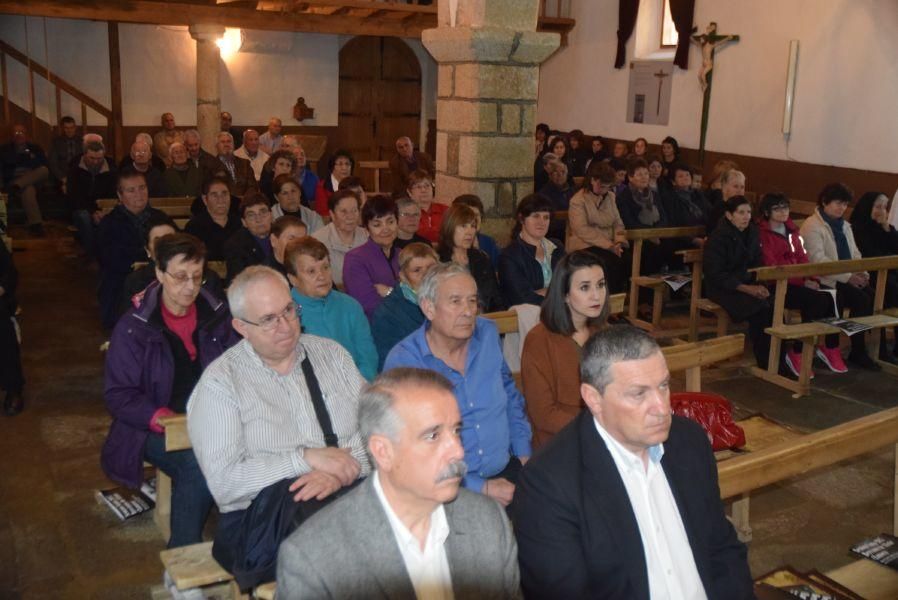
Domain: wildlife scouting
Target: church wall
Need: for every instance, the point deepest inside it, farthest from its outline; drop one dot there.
(845, 90)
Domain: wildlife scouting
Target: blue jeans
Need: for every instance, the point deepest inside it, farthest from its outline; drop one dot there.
(190, 498)
(84, 223)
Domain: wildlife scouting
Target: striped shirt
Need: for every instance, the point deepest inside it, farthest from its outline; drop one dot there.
(249, 425)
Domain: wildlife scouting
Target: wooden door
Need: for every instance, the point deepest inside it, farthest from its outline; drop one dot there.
(380, 100)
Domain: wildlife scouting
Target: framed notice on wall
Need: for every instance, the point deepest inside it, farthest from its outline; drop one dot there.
(648, 98)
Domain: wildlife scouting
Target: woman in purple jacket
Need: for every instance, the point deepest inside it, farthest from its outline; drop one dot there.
(371, 271)
(156, 355)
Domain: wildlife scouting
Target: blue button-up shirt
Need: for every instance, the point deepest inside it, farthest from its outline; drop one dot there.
(494, 426)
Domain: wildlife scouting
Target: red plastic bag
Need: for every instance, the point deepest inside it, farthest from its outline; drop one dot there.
(714, 413)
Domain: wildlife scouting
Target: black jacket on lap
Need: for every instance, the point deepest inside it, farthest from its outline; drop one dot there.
(520, 274)
(488, 293)
(213, 235)
(242, 251)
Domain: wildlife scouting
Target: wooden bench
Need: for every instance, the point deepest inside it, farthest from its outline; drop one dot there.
(176, 207)
(808, 333)
(693, 257)
(377, 166)
(638, 237)
(742, 474)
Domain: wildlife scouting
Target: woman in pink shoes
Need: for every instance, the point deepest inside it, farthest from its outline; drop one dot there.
(781, 245)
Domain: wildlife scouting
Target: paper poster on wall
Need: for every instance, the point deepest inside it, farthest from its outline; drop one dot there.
(648, 99)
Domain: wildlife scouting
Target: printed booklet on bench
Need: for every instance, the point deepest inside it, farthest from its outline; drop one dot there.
(847, 326)
(126, 503)
(882, 549)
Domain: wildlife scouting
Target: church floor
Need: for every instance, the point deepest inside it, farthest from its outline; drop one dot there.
(57, 542)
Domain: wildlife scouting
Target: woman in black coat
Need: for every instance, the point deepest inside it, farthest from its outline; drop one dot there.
(456, 244)
(875, 237)
(527, 263)
(732, 249)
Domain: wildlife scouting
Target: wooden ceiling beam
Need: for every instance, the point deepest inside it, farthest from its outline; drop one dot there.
(180, 13)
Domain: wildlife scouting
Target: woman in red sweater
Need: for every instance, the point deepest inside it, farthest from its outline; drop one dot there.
(340, 166)
(781, 245)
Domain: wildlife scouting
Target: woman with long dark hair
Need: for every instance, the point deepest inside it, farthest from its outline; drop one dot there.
(576, 306)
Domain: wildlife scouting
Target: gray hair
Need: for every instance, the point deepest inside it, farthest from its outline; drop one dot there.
(291, 140)
(90, 137)
(405, 202)
(376, 413)
(731, 174)
(549, 157)
(192, 133)
(613, 344)
(94, 146)
(221, 133)
(173, 144)
(144, 137)
(555, 165)
(439, 273)
(246, 279)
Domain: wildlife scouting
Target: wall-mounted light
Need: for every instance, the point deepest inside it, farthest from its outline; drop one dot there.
(230, 43)
(790, 87)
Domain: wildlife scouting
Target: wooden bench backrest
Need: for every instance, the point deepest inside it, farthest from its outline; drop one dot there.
(835, 267)
(822, 448)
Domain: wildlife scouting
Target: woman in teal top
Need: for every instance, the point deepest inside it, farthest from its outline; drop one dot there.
(327, 312)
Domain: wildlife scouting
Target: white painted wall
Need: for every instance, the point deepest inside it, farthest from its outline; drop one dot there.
(846, 90)
(159, 72)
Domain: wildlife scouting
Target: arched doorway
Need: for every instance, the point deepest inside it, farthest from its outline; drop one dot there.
(380, 100)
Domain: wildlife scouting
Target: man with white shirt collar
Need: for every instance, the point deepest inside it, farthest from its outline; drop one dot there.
(624, 502)
(414, 533)
(251, 151)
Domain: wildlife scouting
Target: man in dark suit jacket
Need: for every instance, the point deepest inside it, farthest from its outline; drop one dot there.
(239, 171)
(411, 422)
(624, 502)
(406, 161)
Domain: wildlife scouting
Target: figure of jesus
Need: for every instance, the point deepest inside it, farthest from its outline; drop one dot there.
(709, 41)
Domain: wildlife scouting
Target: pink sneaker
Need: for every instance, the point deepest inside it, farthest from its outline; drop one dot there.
(832, 358)
(793, 361)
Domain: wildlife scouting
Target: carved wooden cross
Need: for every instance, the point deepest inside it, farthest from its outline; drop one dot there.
(708, 42)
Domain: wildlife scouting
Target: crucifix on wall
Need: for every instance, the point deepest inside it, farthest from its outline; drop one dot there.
(648, 99)
(709, 42)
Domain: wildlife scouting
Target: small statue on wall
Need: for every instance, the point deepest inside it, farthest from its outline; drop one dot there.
(301, 111)
(709, 42)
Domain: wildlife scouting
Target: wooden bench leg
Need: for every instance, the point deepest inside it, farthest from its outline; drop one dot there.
(236, 594)
(657, 305)
(807, 361)
(162, 514)
(895, 499)
(739, 517)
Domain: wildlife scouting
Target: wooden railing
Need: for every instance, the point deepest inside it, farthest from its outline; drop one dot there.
(59, 85)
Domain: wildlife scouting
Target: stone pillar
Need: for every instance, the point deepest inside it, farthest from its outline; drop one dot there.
(486, 99)
(208, 95)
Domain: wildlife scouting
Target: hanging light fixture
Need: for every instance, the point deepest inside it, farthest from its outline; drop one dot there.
(230, 43)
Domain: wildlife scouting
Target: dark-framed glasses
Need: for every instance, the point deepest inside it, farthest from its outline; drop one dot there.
(269, 322)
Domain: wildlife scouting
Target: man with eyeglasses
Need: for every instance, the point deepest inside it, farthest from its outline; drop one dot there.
(251, 245)
(274, 427)
(120, 240)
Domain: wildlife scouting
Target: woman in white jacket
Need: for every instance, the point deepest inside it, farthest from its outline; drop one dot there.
(828, 237)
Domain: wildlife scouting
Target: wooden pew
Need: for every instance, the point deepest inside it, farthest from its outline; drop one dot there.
(808, 333)
(377, 166)
(638, 237)
(739, 476)
(175, 207)
(697, 304)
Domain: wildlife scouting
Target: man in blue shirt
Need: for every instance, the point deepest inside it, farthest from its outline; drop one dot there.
(465, 349)
(306, 179)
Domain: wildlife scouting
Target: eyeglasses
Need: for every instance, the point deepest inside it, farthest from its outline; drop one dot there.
(270, 322)
(183, 278)
(409, 214)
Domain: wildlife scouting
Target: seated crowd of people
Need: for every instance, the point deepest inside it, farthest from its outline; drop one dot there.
(343, 363)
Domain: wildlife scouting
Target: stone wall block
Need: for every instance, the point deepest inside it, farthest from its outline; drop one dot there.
(445, 81)
(441, 145)
(511, 118)
(495, 157)
(506, 199)
(449, 187)
(496, 81)
(467, 116)
(452, 155)
(535, 47)
(508, 14)
(463, 44)
(523, 188)
(528, 118)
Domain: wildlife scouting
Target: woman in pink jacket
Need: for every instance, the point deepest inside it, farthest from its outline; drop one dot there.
(781, 245)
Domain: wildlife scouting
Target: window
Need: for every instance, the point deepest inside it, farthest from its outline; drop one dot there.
(669, 36)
